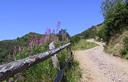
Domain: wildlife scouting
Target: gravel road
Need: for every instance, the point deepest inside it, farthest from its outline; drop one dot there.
(97, 66)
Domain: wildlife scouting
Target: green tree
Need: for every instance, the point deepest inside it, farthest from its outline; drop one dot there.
(109, 7)
(115, 13)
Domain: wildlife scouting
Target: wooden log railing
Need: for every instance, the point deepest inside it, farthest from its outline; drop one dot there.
(10, 69)
(61, 72)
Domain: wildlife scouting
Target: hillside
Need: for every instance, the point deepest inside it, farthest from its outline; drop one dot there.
(34, 43)
(91, 32)
(98, 54)
(7, 46)
(115, 43)
(114, 29)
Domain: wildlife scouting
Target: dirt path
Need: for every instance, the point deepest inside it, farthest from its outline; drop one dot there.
(98, 66)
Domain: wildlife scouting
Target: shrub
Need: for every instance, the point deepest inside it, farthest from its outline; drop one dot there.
(124, 51)
(83, 44)
(102, 34)
(116, 16)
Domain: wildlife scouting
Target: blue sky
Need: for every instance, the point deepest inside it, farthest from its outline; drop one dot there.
(18, 17)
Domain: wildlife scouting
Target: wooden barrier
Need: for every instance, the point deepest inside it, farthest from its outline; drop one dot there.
(10, 69)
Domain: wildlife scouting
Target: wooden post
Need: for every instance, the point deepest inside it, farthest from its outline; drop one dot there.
(10, 69)
(54, 58)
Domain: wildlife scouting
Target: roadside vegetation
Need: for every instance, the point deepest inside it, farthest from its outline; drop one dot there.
(113, 32)
(43, 72)
(114, 29)
(83, 44)
(124, 51)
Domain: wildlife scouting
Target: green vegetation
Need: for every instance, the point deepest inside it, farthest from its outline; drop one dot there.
(74, 73)
(101, 33)
(34, 43)
(114, 29)
(87, 34)
(116, 17)
(7, 47)
(124, 51)
(83, 44)
(44, 72)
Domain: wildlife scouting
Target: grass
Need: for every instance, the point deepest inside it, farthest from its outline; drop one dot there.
(74, 72)
(117, 45)
(44, 71)
(83, 44)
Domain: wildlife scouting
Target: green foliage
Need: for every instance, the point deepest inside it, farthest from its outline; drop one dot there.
(44, 71)
(83, 44)
(87, 34)
(7, 46)
(62, 34)
(75, 39)
(73, 74)
(116, 17)
(109, 7)
(124, 51)
(102, 34)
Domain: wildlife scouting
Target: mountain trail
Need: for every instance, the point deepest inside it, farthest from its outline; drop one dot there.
(97, 66)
